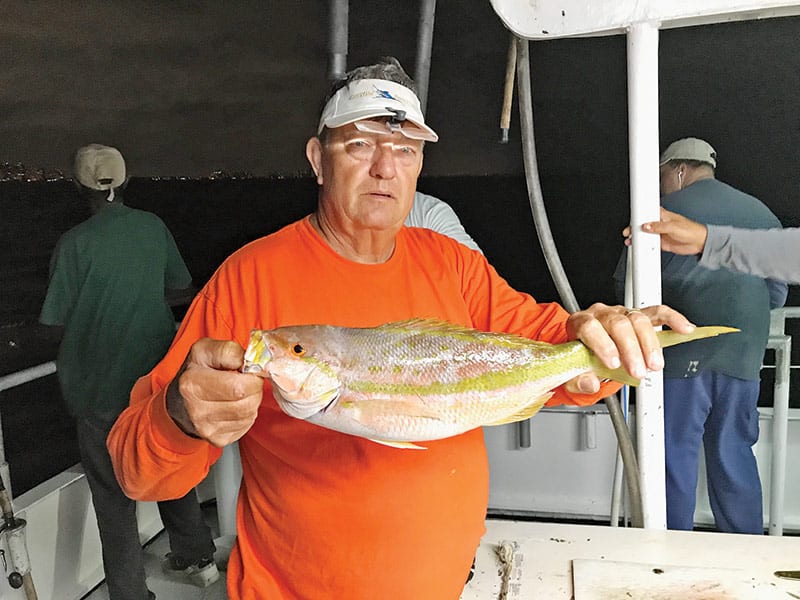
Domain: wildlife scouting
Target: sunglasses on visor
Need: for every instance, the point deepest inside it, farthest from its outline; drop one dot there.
(392, 125)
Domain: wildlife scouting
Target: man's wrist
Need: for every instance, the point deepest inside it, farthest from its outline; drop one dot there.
(176, 409)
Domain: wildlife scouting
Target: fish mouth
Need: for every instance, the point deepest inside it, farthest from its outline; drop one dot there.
(255, 367)
(257, 356)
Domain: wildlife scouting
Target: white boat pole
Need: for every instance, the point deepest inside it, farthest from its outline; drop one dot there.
(646, 258)
(227, 479)
(780, 431)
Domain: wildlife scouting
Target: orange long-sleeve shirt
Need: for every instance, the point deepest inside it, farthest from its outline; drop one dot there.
(323, 514)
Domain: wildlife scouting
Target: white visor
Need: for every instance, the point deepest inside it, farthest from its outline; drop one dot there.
(371, 98)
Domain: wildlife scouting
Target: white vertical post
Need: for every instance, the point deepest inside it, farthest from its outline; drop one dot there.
(227, 477)
(646, 258)
(780, 430)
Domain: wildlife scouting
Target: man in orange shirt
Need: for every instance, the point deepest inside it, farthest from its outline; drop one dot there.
(322, 514)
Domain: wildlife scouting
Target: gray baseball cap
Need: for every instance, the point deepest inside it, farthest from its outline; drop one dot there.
(689, 149)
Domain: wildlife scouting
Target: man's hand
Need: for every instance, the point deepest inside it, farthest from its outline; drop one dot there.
(621, 336)
(209, 398)
(678, 234)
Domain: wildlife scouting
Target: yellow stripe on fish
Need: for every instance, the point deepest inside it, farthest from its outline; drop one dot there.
(420, 379)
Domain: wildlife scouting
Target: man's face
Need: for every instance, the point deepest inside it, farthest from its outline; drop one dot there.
(671, 178)
(368, 179)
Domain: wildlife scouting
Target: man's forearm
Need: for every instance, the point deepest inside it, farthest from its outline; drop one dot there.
(771, 253)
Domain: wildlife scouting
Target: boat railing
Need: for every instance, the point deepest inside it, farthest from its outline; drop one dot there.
(13, 528)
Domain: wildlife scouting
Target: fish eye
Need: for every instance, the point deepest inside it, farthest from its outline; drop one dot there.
(298, 350)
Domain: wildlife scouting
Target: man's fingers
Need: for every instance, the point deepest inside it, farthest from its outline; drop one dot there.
(624, 336)
(222, 432)
(655, 227)
(220, 386)
(646, 341)
(588, 326)
(631, 339)
(586, 383)
(217, 354)
(661, 314)
(222, 405)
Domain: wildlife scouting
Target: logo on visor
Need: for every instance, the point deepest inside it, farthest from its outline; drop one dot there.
(384, 94)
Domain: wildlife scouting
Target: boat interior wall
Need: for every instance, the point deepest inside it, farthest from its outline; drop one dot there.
(62, 538)
(583, 440)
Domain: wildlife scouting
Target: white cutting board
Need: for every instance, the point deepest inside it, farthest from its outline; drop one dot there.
(617, 580)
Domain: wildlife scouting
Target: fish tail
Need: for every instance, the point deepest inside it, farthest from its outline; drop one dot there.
(672, 338)
(665, 338)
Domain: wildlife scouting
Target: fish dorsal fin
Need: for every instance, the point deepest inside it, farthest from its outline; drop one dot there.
(401, 445)
(526, 413)
(424, 323)
(432, 326)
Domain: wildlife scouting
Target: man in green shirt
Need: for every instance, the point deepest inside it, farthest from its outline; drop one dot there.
(108, 278)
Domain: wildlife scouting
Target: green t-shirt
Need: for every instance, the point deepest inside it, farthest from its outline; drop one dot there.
(108, 276)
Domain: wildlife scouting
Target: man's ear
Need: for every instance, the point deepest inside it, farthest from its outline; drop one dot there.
(314, 156)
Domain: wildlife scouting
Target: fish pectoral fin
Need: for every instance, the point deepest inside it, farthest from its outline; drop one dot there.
(378, 408)
(401, 445)
(526, 413)
(329, 398)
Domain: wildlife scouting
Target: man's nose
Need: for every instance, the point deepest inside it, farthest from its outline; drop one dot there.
(383, 166)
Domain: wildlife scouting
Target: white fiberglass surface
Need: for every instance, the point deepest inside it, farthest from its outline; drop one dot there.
(544, 19)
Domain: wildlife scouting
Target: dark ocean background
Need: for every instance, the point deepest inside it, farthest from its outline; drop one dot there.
(210, 218)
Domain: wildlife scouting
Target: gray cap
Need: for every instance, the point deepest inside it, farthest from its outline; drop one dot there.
(690, 149)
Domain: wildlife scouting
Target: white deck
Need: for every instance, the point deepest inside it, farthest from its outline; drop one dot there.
(164, 587)
(588, 562)
(555, 560)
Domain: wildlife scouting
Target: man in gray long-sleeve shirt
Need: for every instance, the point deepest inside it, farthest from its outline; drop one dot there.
(772, 253)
